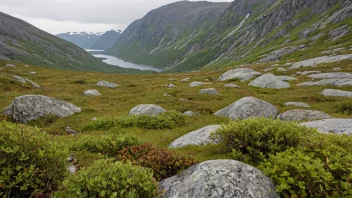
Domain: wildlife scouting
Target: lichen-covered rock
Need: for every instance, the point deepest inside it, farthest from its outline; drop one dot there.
(219, 178)
(320, 60)
(338, 93)
(197, 84)
(147, 109)
(10, 65)
(242, 74)
(333, 75)
(191, 113)
(297, 104)
(92, 92)
(107, 84)
(185, 80)
(334, 82)
(209, 91)
(248, 107)
(269, 81)
(303, 115)
(31, 107)
(231, 86)
(25, 81)
(308, 72)
(336, 126)
(198, 137)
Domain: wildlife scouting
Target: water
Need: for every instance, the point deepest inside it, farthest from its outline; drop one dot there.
(112, 60)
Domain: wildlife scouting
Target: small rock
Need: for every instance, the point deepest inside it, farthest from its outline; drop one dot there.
(286, 78)
(92, 92)
(338, 93)
(184, 99)
(185, 80)
(303, 115)
(209, 91)
(171, 79)
(171, 86)
(198, 137)
(242, 74)
(107, 84)
(10, 65)
(281, 69)
(191, 114)
(231, 86)
(94, 119)
(336, 126)
(269, 81)
(268, 69)
(147, 109)
(297, 104)
(168, 95)
(25, 80)
(197, 84)
(33, 72)
(336, 69)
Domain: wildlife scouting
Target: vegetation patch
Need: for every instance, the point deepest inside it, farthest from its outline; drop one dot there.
(44, 121)
(344, 108)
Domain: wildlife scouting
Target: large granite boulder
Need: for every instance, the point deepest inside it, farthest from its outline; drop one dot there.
(334, 82)
(269, 81)
(338, 93)
(336, 126)
(147, 109)
(219, 178)
(106, 84)
(209, 91)
(297, 104)
(31, 107)
(242, 74)
(198, 137)
(333, 75)
(303, 115)
(248, 107)
(92, 92)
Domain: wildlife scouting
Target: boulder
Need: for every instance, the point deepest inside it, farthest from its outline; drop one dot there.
(242, 74)
(335, 92)
(320, 60)
(171, 86)
(106, 84)
(297, 104)
(198, 137)
(248, 107)
(185, 80)
(269, 81)
(308, 72)
(219, 178)
(31, 107)
(281, 69)
(334, 82)
(303, 115)
(10, 65)
(147, 109)
(92, 92)
(209, 91)
(25, 81)
(197, 84)
(336, 126)
(287, 78)
(231, 86)
(333, 75)
(191, 113)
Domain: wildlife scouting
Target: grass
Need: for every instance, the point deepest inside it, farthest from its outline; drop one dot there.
(149, 89)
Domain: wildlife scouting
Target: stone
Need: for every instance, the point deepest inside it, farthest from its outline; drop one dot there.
(147, 109)
(338, 93)
(303, 115)
(242, 74)
(231, 86)
(320, 60)
(269, 81)
(197, 84)
(185, 80)
(171, 86)
(336, 69)
(268, 69)
(31, 107)
(172, 79)
(308, 72)
(33, 72)
(10, 65)
(106, 84)
(287, 78)
(297, 104)
(183, 99)
(219, 178)
(25, 81)
(281, 69)
(277, 54)
(248, 107)
(92, 92)
(198, 137)
(168, 95)
(191, 114)
(337, 126)
(333, 75)
(334, 82)
(209, 91)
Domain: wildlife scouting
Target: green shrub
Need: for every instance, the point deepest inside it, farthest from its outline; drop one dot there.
(345, 108)
(30, 165)
(80, 81)
(106, 144)
(252, 140)
(164, 163)
(44, 121)
(110, 179)
(167, 120)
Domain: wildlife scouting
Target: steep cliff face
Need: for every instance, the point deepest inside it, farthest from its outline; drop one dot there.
(246, 31)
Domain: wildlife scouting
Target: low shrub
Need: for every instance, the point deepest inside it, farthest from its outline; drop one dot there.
(107, 178)
(44, 121)
(164, 163)
(344, 108)
(80, 81)
(106, 144)
(252, 140)
(30, 165)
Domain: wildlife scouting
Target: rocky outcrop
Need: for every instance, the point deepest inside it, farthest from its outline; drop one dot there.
(297, 104)
(334, 82)
(106, 84)
(336, 126)
(198, 137)
(320, 60)
(269, 81)
(209, 91)
(248, 107)
(287, 78)
(303, 115)
(147, 109)
(92, 92)
(333, 75)
(242, 74)
(25, 81)
(277, 54)
(31, 107)
(338, 93)
(219, 178)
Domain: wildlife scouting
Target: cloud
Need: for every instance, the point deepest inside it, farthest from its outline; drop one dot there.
(57, 16)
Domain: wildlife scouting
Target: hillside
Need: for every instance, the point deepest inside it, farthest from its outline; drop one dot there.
(243, 32)
(106, 40)
(23, 42)
(83, 39)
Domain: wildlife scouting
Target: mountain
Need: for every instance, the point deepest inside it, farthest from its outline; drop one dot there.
(191, 35)
(23, 42)
(106, 40)
(82, 39)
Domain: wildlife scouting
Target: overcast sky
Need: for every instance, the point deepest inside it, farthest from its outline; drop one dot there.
(58, 16)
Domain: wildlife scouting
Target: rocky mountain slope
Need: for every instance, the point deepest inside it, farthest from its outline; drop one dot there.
(191, 35)
(106, 40)
(83, 39)
(23, 42)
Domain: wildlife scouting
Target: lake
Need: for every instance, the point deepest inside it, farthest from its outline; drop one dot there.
(112, 60)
